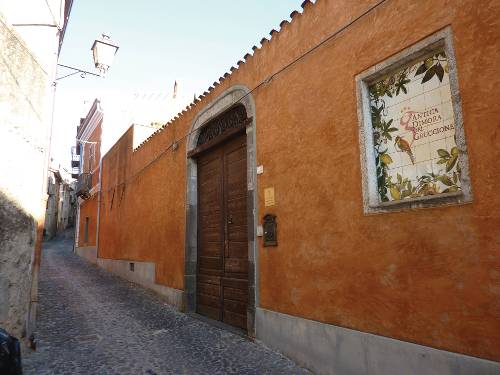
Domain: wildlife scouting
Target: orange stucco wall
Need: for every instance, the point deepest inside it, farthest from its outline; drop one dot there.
(426, 276)
(88, 208)
(143, 218)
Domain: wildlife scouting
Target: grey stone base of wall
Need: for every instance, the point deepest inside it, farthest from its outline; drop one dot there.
(89, 253)
(328, 349)
(144, 274)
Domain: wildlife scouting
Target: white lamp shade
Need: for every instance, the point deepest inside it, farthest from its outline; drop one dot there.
(104, 51)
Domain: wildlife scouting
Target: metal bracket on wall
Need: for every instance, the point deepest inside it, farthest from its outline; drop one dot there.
(83, 73)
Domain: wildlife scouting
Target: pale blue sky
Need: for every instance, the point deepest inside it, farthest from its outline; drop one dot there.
(191, 41)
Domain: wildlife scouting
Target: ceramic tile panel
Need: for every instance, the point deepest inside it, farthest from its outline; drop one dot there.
(413, 131)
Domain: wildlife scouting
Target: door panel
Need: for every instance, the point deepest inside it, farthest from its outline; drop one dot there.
(237, 205)
(235, 279)
(209, 289)
(238, 249)
(213, 249)
(238, 233)
(236, 265)
(212, 313)
(235, 294)
(210, 235)
(211, 265)
(222, 282)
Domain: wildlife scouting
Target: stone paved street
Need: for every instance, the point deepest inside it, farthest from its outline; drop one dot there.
(91, 322)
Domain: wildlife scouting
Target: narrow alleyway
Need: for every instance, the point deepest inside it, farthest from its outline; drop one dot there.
(91, 322)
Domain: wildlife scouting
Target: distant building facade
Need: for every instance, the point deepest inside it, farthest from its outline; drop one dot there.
(61, 204)
(31, 33)
(53, 190)
(106, 121)
(86, 162)
(67, 206)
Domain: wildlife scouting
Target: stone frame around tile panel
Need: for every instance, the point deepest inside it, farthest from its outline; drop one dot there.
(442, 39)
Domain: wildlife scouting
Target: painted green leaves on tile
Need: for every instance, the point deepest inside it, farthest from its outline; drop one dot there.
(432, 66)
(386, 159)
(413, 132)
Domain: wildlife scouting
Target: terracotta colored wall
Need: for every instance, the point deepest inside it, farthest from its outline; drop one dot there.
(88, 208)
(425, 276)
(143, 219)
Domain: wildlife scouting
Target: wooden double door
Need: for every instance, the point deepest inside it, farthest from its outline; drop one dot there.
(222, 275)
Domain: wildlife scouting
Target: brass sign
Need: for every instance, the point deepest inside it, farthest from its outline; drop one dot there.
(269, 197)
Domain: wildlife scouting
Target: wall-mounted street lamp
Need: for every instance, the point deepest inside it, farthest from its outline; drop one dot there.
(104, 51)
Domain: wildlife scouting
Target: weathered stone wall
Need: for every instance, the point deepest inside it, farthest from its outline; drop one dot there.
(59, 214)
(51, 214)
(23, 131)
(66, 208)
(17, 239)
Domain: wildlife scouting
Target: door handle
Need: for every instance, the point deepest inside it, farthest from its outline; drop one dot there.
(230, 220)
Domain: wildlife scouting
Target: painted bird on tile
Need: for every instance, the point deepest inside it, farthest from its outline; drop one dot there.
(404, 146)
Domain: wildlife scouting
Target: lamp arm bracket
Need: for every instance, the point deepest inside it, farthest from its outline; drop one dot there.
(76, 71)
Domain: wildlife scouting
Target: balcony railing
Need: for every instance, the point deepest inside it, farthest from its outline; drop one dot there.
(75, 161)
(83, 185)
(75, 172)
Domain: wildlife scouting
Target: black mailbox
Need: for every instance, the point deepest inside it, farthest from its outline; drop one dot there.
(270, 230)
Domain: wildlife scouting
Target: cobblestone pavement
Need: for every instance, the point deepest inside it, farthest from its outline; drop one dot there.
(91, 322)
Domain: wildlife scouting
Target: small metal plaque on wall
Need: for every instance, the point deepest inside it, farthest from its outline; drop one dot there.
(269, 197)
(270, 230)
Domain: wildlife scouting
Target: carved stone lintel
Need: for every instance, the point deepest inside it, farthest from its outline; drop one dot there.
(233, 118)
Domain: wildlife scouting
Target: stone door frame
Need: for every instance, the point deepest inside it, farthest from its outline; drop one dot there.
(233, 95)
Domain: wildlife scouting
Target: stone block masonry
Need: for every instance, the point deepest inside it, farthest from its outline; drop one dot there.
(23, 132)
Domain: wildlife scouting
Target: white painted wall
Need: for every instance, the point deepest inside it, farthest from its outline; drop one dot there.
(42, 41)
(28, 58)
